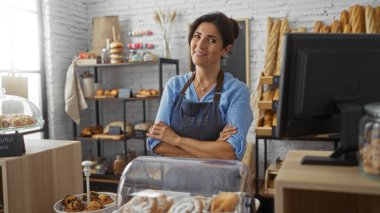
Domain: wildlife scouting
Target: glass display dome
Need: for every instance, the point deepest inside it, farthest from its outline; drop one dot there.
(17, 113)
(171, 182)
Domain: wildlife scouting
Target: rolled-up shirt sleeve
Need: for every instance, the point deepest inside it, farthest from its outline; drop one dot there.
(239, 114)
(164, 111)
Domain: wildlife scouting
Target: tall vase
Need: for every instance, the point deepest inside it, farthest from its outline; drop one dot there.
(166, 44)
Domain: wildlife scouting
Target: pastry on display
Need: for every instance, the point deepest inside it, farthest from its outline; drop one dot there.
(147, 93)
(92, 130)
(78, 203)
(16, 120)
(94, 205)
(224, 202)
(140, 204)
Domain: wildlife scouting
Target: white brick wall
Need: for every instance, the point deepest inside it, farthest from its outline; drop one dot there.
(68, 26)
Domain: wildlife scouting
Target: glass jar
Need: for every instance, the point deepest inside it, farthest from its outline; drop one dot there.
(119, 164)
(369, 141)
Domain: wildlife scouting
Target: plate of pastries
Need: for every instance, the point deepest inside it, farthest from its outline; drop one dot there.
(143, 93)
(101, 202)
(164, 201)
(16, 121)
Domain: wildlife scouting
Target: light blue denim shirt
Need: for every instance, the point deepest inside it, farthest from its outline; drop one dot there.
(234, 106)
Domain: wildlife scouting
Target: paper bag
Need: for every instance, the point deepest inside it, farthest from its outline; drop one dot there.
(102, 29)
(15, 85)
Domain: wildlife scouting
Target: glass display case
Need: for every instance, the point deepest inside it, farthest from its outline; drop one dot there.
(17, 113)
(168, 184)
(18, 116)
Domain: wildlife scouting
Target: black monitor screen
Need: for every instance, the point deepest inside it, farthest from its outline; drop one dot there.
(320, 72)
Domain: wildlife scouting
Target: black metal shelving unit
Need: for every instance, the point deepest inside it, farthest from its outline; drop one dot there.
(97, 75)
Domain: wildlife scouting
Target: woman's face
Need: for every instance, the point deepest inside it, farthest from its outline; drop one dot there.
(206, 46)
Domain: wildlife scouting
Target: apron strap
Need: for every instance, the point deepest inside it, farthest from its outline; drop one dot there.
(219, 86)
(188, 84)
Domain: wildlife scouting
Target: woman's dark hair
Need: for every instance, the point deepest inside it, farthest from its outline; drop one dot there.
(227, 27)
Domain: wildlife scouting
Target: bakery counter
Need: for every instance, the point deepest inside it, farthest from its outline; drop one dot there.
(48, 171)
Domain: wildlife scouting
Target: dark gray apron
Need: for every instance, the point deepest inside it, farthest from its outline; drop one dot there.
(201, 121)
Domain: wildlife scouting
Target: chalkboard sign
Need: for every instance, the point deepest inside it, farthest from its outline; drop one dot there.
(238, 62)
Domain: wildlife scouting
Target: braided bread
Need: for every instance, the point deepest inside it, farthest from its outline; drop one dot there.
(271, 57)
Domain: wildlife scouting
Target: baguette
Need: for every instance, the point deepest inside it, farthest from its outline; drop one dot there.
(283, 29)
(350, 15)
(317, 26)
(336, 27)
(358, 23)
(325, 29)
(347, 28)
(370, 20)
(270, 60)
(377, 18)
(344, 18)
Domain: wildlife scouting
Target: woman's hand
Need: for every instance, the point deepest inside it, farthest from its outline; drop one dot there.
(163, 133)
(226, 133)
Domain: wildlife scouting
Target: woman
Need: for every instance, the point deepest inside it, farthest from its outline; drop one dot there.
(205, 113)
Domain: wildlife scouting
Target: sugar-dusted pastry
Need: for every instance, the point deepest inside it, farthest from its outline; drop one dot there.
(224, 202)
(163, 204)
(141, 205)
(187, 205)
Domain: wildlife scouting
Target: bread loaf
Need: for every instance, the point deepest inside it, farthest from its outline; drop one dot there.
(268, 116)
(317, 26)
(271, 57)
(370, 25)
(358, 22)
(267, 95)
(336, 27)
(274, 120)
(377, 18)
(344, 18)
(325, 29)
(347, 28)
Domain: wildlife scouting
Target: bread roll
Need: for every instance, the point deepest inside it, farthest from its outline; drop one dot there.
(317, 26)
(267, 95)
(377, 18)
(370, 25)
(347, 28)
(336, 27)
(344, 18)
(301, 30)
(268, 116)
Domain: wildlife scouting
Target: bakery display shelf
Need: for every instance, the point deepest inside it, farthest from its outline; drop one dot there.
(118, 65)
(107, 178)
(124, 99)
(264, 131)
(101, 139)
(271, 80)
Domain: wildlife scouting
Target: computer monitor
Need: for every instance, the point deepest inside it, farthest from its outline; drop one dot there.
(325, 81)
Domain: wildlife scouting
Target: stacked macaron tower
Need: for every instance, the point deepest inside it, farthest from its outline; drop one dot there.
(117, 52)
